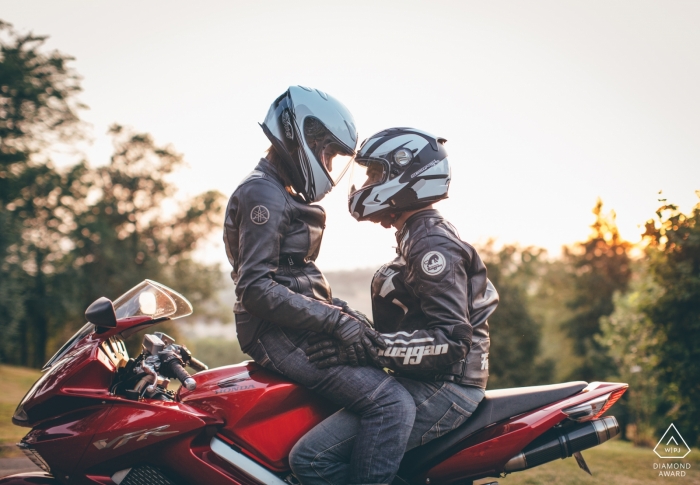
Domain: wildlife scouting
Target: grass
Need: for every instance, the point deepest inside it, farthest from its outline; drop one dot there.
(16, 381)
(615, 462)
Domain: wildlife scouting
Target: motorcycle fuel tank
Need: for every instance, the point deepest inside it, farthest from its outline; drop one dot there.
(264, 414)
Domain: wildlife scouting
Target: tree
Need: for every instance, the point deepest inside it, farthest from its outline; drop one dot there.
(515, 335)
(674, 258)
(125, 236)
(38, 108)
(600, 267)
(632, 342)
(69, 236)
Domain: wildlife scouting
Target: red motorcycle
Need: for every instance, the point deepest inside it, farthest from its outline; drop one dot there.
(100, 417)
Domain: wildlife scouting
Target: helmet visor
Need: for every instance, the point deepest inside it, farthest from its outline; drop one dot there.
(329, 152)
(367, 173)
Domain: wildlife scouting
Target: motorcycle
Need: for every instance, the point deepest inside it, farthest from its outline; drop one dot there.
(98, 416)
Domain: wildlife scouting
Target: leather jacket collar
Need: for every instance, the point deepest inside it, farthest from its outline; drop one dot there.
(266, 167)
(400, 235)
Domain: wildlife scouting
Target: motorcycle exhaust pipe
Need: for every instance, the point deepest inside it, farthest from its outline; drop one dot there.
(564, 442)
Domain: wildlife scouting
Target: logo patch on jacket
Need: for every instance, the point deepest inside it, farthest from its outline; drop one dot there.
(413, 355)
(259, 215)
(433, 263)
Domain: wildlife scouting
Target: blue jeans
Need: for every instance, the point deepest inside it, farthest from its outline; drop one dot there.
(383, 408)
(321, 457)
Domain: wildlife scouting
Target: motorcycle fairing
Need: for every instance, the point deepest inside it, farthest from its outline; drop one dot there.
(485, 452)
(497, 406)
(265, 414)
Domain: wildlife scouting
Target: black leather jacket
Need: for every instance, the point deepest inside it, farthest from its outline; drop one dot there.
(432, 304)
(272, 241)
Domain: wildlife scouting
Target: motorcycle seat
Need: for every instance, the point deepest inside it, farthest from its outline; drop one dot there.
(497, 405)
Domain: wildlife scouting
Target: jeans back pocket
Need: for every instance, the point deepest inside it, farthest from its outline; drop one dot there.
(452, 419)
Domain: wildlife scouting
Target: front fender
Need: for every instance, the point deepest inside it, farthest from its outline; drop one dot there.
(33, 478)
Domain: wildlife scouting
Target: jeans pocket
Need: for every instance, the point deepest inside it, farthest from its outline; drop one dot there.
(452, 419)
(260, 355)
(470, 396)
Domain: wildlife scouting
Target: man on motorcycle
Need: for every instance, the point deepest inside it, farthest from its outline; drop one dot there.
(273, 236)
(431, 303)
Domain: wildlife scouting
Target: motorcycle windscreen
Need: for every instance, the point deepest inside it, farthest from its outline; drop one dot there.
(152, 299)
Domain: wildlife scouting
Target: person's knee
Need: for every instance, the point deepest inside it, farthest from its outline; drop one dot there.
(397, 400)
(407, 405)
(300, 457)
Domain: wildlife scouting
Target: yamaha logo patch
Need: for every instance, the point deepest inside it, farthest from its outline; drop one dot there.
(259, 215)
(433, 263)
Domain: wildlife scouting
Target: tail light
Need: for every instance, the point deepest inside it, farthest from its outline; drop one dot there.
(594, 408)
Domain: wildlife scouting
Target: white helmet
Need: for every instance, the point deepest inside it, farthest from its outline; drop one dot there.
(315, 136)
(397, 170)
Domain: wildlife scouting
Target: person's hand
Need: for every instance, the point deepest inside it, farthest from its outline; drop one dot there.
(353, 343)
(352, 312)
(324, 351)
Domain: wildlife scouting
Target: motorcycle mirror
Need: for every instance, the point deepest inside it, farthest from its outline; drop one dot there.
(101, 313)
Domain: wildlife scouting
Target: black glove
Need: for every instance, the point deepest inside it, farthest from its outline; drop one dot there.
(325, 351)
(352, 312)
(353, 343)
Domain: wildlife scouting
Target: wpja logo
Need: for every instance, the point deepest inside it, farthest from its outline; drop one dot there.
(672, 446)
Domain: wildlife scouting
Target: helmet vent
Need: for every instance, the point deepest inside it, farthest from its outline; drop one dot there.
(287, 122)
(402, 156)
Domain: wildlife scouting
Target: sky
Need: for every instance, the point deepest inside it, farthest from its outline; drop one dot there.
(546, 105)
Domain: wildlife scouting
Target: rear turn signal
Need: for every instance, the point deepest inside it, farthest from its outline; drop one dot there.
(594, 408)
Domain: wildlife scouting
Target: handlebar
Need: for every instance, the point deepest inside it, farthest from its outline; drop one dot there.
(183, 376)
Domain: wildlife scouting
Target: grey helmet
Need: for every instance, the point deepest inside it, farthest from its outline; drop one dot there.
(397, 170)
(315, 136)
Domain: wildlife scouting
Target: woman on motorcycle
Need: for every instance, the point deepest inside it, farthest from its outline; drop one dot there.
(273, 235)
(431, 303)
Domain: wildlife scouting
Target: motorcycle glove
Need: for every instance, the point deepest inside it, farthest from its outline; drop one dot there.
(353, 343)
(352, 312)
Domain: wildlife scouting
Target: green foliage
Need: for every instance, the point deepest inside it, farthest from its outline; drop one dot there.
(674, 255)
(551, 288)
(600, 266)
(70, 236)
(631, 340)
(37, 109)
(37, 96)
(124, 236)
(515, 334)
